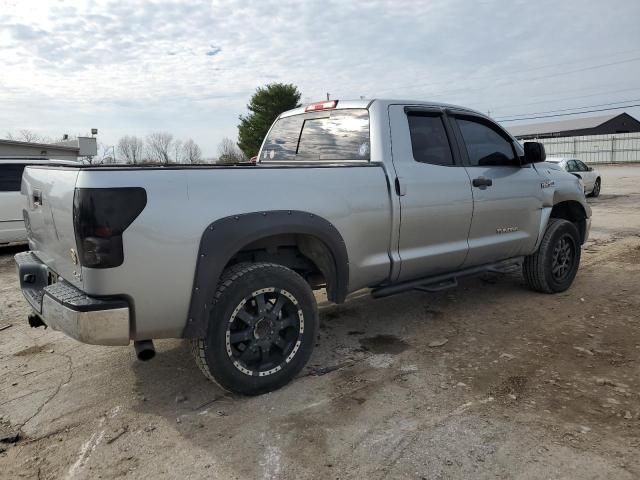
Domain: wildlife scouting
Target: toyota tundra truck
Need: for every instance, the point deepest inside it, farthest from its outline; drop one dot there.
(382, 195)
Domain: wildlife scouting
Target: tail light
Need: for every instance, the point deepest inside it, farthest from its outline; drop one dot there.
(100, 216)
(328, 105)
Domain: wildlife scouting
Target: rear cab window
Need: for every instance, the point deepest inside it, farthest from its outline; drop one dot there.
(323, 136)
(10, 177)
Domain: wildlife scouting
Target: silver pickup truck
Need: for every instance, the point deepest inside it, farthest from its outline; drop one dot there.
(386, 195)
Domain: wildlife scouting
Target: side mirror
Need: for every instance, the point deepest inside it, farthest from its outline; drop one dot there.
(534, 152)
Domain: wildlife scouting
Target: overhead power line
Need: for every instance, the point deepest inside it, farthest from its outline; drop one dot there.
(509, 74)
(573, 108)
(555, 98)
(567, 114)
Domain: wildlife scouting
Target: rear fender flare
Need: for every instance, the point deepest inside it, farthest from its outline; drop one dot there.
(225, 237)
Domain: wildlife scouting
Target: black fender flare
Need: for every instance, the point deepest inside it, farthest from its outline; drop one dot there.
(225, 237)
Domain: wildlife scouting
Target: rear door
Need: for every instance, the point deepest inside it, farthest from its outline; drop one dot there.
(48, 202)
(11, 224)
(435, 194)
(507, 197)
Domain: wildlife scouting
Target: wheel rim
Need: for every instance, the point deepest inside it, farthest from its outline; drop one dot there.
(563, 257)
(264, 332)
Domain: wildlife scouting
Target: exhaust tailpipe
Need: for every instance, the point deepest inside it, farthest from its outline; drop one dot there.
(145, 350)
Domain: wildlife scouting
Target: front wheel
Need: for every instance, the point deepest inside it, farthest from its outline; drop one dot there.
(262, 329)
(596, 188)
(554, 266)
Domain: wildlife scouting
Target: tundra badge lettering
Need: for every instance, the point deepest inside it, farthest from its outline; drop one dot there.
(507, 229)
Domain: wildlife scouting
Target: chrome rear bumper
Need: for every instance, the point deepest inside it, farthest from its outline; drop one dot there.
(61, 306)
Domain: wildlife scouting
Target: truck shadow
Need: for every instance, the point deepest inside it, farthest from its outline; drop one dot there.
(171, 384)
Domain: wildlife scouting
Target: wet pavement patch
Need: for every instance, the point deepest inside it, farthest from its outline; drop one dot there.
(32, 350)
(513, 387)
(384, 344)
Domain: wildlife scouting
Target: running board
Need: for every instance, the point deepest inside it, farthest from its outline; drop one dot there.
(448, 280)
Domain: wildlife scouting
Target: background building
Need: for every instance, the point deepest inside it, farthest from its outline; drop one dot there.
(601, 139)
(600, 125)
(76, 149)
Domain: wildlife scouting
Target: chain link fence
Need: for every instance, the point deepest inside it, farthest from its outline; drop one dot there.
(594, 149)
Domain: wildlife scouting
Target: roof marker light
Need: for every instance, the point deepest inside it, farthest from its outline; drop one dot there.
(312, 107)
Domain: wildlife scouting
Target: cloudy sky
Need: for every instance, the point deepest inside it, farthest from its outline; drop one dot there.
(189, 68)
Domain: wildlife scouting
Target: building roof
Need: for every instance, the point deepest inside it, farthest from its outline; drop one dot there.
(560, 125)
(17, 143)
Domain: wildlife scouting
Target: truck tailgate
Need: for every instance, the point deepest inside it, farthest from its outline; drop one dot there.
(48, 202)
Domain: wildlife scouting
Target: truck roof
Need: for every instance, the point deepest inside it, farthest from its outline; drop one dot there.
(366, 103)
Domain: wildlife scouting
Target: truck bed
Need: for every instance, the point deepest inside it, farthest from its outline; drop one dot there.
(161, 245)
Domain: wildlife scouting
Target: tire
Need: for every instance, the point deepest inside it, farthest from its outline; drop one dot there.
(554, 266)
(251, 348)
(596, 188)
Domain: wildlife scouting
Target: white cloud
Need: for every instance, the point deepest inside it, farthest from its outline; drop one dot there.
(190, 68)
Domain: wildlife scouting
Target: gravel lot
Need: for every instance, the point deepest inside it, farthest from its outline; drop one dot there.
(487, 380)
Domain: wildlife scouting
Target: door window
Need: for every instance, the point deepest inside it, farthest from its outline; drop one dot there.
(10, 177)
(429, 140)
(581, 166)
(572, 166)
(485, 145)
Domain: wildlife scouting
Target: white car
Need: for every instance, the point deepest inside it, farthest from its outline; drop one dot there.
(12, 229)
(590, 177)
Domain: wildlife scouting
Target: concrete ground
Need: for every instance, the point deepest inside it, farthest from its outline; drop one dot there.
(487, 380)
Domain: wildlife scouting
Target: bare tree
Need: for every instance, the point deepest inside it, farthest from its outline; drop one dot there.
(130, 149)
(228, 152)
(108, 154)
(159, 146)
(191, 152)
(26, 135)
(177, 151)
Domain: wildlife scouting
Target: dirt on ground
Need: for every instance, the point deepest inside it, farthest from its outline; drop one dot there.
(489, 380)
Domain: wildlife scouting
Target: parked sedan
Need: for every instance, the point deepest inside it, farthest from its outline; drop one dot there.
(590, 177)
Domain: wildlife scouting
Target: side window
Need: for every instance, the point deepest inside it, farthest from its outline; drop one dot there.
(429, 140)
(485, 146)
(10, 177)
(571, 166)
(581, 166)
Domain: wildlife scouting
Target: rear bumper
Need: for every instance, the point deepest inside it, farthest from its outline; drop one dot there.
(61, 306)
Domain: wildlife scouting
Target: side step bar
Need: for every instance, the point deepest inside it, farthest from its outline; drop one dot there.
(447, 280)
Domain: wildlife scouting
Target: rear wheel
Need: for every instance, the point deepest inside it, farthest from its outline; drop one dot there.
(554, 266)
(262, 329)
(596, 188)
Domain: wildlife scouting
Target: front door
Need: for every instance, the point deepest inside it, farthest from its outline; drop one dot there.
(580, 170)
(435, 194)
(507, 197)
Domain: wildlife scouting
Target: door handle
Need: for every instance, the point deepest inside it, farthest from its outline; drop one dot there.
(401, 188)
(37, 198)
(482, 182)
